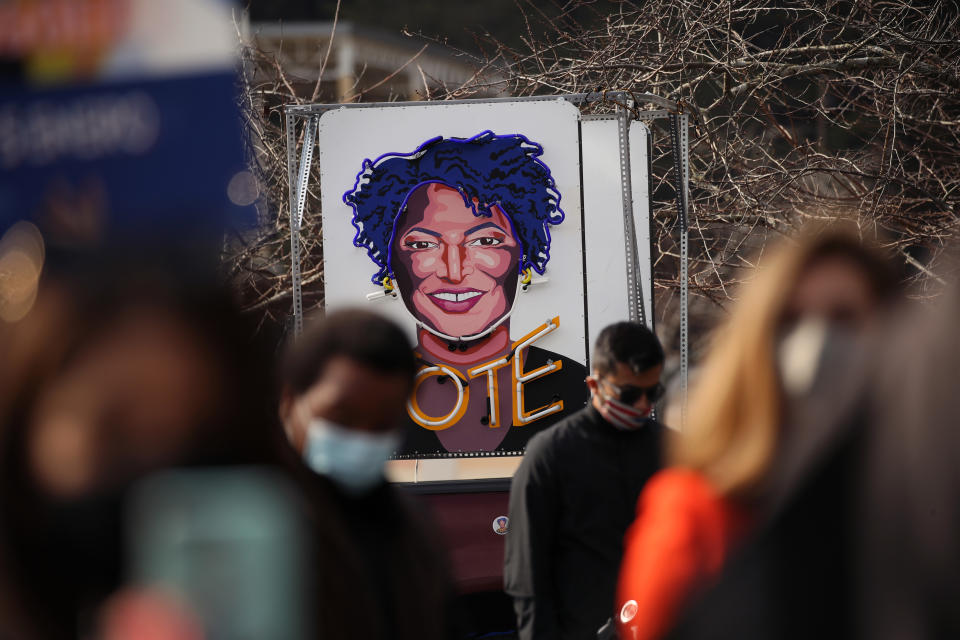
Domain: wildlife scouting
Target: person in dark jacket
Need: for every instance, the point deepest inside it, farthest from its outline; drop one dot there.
(573, 496)
(381, 574)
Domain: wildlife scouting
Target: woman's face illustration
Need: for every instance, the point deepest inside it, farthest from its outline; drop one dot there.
(457, 272)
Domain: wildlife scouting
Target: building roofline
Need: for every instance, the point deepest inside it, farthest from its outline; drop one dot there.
(323, 28)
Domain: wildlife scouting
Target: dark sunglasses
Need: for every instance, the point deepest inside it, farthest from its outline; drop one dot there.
(629, 394)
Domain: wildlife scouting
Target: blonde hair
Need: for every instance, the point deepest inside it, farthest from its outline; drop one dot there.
(735, 410)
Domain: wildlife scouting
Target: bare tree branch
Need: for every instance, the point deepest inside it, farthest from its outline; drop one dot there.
(810, 112)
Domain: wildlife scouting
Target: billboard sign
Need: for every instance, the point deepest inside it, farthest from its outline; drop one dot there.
(465, 224)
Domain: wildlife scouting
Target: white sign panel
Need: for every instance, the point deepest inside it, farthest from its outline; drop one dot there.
(462, 222)
(640, 183)
(604, 232)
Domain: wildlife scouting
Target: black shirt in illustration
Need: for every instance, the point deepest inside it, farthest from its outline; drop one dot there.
(566, 384)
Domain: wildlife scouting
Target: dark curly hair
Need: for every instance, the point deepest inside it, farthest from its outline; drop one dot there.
(502, 170)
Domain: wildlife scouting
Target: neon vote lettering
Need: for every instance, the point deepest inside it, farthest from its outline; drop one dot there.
(519, 378)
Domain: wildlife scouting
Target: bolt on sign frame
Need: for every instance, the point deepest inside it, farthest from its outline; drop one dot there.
(306, 117)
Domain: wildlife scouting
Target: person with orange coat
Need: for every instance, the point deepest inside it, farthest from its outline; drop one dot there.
(693, 514)
(692, 529)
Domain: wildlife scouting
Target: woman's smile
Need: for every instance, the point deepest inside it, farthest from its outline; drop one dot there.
(455, 301)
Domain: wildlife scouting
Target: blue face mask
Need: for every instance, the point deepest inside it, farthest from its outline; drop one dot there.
(353, 459)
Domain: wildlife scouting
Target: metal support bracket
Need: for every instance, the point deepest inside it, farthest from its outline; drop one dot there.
(635, 304)
(679, 135)
(298, 177)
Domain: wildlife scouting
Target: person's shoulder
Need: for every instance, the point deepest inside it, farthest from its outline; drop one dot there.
(649, 437)
(546, 445)
(542, 443)
(656, 429)
(415, 510)
(412, 510)
(676, 481)
(569, 430)
(680, 489)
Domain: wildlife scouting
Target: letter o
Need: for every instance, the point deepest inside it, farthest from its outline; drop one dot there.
(448, 420)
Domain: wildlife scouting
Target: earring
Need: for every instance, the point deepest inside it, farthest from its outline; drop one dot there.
(389, 288)
(526, 276)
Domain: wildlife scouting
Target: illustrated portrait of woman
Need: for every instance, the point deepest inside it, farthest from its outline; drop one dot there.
(457, 228)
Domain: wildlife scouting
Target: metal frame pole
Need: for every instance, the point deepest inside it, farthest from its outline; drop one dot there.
(299, 177)
(635, 303)
(291, 121)
(684, 269)
(680, 139)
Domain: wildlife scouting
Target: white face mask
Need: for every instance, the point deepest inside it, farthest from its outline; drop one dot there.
(352, 459)
(798, 355)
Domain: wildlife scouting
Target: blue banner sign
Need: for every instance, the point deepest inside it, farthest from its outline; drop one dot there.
(159, 156)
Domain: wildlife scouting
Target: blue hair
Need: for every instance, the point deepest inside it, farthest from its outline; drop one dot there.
(486, 169)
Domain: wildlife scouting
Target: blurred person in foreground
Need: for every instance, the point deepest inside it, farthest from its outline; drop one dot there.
(345, 384)
(861, 538)
(114, 372)
(692, 515)
(573, 496)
